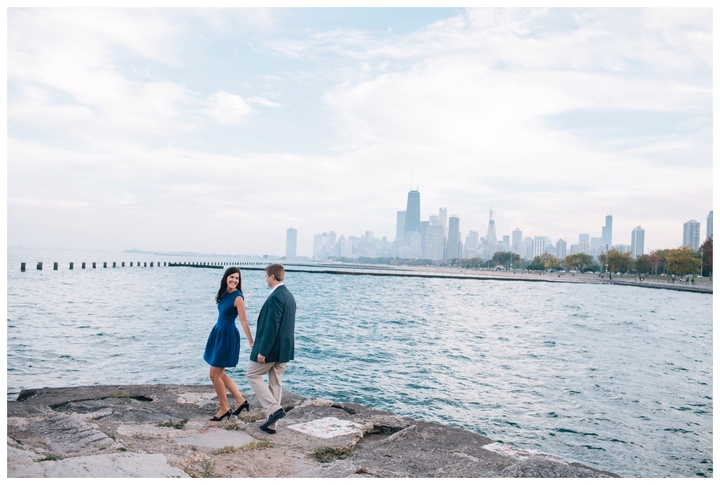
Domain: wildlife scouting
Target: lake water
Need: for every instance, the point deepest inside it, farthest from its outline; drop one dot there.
(617, 378)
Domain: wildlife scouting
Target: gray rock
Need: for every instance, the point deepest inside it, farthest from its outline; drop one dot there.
(164, 430)
(544, 468)
(98, 466)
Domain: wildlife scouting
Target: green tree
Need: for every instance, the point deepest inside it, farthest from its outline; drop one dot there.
(535, 264)
(578, 262)
(643, 264)
(707, 257)
(682, 261)
(616, 261)
(506, 259)
(661, 255)
(549, 261)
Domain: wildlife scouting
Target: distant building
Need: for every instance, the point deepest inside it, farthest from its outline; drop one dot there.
(574, 248)
(691, 234)
(561, 249)
(584, 243)
(317, 246)
(442, 217)
(454, 245)
(623, 248)
(491, 238)
(709, 231)
(400, 228)
(434, 242)
(412, 216)
(607, 232)
(516, 240)
(596, 246)
(471, 244)
(637, 242)
(506, 243)
(527, 248)
(539, 246)
(291, 243)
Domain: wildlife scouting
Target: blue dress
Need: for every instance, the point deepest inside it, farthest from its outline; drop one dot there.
(223, 345)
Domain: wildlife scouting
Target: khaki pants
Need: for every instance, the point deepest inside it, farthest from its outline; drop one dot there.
(270, 396)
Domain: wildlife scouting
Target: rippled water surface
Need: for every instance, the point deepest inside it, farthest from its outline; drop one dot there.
(618, 378)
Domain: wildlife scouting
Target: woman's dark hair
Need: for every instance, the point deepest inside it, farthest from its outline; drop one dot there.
(223, 284)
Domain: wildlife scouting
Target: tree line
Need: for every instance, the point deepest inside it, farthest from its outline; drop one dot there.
(678, 261)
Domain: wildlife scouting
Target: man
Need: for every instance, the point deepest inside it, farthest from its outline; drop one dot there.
(274, 345)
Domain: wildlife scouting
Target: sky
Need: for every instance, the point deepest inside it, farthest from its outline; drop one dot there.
(215, 130)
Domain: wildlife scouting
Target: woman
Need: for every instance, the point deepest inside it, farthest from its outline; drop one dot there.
(223, 345)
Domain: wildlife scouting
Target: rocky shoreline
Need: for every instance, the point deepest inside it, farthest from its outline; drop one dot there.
(163, 431)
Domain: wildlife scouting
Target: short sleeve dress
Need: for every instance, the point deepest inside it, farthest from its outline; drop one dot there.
(223, 345)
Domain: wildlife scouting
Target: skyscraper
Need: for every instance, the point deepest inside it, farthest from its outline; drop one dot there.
(709, 229)
(584, 243)
(516, 240)
(453, 245)
(412, 216)
(491, 238)
(691, 234)
(471, 244)
(637, 242)
(539, 245)
(607, 232)
(291, 243)
(442, 217)
(317, 246)
(561, 249)
(434, 242)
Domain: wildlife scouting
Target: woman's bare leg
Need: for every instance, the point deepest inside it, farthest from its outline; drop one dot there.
(216, 376)
(230, 385)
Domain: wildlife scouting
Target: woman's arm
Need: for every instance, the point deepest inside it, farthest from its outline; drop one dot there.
(242, 315)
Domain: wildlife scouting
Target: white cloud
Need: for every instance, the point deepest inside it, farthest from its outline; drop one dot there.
(264, 102)
(94, 94)
(227, 108)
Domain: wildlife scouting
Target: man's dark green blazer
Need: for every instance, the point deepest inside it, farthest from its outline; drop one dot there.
(275, 333)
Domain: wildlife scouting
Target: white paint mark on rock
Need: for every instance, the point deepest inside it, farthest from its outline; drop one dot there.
(328, 427)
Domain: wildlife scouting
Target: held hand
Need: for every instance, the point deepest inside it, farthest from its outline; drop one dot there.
(260, 359)
(251, 345)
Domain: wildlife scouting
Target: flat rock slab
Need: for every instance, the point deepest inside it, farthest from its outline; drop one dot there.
(116, 465)
(211, 440)
(164, 431)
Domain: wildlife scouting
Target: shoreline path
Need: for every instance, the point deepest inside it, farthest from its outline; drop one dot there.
(163, 431)
(701, 285)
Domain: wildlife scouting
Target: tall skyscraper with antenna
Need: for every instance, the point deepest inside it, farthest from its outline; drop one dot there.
(607, 232)
(412, 214)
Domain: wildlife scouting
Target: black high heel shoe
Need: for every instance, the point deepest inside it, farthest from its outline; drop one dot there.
(220, 418)
(245, 405)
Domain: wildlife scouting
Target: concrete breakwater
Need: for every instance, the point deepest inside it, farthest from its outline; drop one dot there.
(409, 271)
(163, 431)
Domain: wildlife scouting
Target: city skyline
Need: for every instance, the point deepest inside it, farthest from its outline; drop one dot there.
(438, 237)
(215, 130)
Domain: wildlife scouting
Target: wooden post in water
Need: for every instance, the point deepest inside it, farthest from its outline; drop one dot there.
(83, 266)
(123, 264)
(94, 265)
(151, 264)
(22, 267)
(71, 265)
(145, 265)
(39, 266)
(104, 265)
(55, 266)
(131, 264)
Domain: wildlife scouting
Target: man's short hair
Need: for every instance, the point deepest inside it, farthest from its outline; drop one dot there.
(276, 270)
